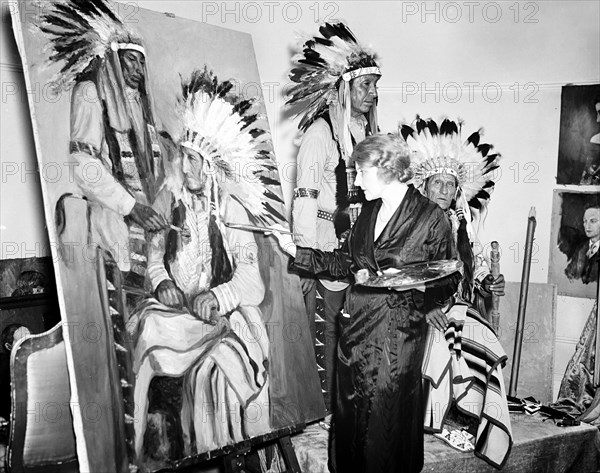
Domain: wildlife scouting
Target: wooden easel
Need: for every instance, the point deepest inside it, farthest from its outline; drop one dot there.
(236, 462)
(233, 458)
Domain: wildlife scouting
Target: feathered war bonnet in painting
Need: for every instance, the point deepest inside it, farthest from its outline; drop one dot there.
(222, 133)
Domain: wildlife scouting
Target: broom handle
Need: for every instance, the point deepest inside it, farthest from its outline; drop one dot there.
(495, 269)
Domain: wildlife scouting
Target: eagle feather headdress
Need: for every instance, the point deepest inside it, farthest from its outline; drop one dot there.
(438, 149)
(82, 32)
(321, 73)
(223, 129)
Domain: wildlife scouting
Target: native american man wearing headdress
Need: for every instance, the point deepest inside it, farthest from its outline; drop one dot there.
(463, 360)
(114, 140)
(335, 90)
(204, 323)
(458, 177)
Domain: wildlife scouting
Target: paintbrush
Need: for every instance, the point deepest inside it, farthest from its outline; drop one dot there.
(255, 228)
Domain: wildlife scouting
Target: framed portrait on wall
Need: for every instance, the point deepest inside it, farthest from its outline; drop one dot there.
(579, 139)
(574, 254)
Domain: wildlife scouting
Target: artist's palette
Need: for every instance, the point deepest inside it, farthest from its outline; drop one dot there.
(411, 276)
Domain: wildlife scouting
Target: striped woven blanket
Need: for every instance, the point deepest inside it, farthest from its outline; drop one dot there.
(464, 365)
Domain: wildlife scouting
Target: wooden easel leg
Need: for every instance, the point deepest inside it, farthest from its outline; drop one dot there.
(235, 462)
(262, 454)
(289, 454)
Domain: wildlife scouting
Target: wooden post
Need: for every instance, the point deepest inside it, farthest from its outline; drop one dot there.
(597, 357)
(495, 269)
(514, 373)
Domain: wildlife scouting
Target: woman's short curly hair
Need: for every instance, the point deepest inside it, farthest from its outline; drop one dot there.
(389, 153)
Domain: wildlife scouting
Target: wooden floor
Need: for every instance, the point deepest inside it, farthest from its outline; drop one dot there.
(539, 446)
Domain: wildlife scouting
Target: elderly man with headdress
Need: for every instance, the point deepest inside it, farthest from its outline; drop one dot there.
(464, 358)
(335, 90)
(114, 140)
(204, 323)
(458, 177)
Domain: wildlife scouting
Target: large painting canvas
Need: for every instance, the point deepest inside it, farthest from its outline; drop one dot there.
(185, 336)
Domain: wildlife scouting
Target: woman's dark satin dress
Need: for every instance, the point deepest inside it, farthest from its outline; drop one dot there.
(378, 416)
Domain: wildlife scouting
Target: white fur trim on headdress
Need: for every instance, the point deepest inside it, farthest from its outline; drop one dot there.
(131, 46)
(363, 71)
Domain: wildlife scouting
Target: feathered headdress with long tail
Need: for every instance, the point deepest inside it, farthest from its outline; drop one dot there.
(223, 128)
(321, 74)
(441, 149)
(81, 33)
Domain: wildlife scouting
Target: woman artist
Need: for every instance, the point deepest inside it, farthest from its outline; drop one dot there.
(378, 413)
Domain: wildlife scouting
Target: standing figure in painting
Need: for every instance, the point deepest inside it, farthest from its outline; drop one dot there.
(204, 323)
(335, 89)
(114, 141)
(378, 413)
(464, 359)
(585, 260)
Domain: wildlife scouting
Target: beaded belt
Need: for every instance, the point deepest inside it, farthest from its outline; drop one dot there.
(325, 215)
(81, 147)
(306, 192)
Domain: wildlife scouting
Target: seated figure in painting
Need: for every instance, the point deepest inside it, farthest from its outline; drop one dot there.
(584, 261)
(204, 323)
(462, 365)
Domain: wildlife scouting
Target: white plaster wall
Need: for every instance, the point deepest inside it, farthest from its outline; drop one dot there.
(499, 65)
